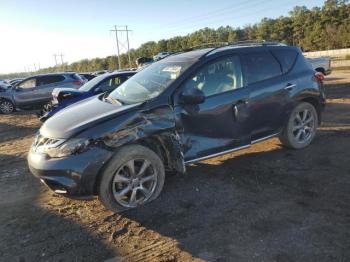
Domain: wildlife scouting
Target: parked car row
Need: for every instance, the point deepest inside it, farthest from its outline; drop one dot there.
(180, 110)
(63, 97)
(35, 91)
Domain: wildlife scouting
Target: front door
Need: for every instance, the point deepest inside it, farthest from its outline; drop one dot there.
(219, 124)
(25, 93)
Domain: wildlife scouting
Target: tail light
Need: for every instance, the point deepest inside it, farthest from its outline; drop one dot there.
(77, 83)
(319, 77)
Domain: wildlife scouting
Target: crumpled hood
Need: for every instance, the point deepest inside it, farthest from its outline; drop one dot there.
(81, 116)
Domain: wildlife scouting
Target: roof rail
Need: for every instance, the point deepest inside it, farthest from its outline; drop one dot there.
(248, 43)
(217, 45)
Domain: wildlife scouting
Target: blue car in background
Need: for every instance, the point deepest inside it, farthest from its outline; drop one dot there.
(63, 97)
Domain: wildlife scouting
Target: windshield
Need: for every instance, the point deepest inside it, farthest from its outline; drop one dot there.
(149, 83)
(92, 83)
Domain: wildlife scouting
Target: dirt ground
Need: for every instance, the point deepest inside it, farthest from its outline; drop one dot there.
(265, 203)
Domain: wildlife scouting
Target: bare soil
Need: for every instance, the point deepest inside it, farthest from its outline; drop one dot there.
(265, 203)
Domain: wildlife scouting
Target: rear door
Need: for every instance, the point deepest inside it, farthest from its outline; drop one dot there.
(269, 88)
(46, 84)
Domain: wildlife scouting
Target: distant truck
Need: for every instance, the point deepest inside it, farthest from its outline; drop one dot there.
(321, 64)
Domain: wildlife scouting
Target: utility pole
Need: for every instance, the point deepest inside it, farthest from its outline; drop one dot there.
(62, 64)
(127, 39)
(55, 56)
(116, 38)
(61, 55)
(116, 30)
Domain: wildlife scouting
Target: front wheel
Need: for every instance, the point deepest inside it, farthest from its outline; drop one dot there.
(301, 127)
(6, 106)
(133, 177)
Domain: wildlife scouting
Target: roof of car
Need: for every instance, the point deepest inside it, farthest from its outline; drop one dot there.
(127, 72)
(121, 72)
(187, 56)
(56, 73)
(202, 52)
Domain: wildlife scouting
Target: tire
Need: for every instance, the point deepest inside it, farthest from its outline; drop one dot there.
(301, 127)
(119, 182)
(6, 106)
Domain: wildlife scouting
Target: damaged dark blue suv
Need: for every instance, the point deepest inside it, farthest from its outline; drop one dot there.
(183, 109)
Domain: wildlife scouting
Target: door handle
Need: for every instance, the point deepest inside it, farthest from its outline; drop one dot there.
(236, 107)
(289, 87)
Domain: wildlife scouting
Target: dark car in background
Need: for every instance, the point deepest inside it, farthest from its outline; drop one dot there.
(63, 97)
(35, 91)
(180, 110)
(14, 81)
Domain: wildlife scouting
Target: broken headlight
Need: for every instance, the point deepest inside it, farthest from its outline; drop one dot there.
(70, 147)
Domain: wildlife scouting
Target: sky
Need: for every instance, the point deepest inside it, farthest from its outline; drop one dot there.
(32, 31)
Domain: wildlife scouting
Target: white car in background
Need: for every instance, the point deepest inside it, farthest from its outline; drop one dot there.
(161, 55)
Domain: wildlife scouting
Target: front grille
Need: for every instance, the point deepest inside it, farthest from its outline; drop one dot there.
(45, 142)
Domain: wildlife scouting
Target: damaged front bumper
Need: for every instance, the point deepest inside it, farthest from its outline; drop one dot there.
(74, 176)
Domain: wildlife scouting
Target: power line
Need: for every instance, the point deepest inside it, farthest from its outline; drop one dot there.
(116, 30)
(220, 19)
(217, 12)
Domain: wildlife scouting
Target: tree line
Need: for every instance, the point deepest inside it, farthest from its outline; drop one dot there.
(318, 28)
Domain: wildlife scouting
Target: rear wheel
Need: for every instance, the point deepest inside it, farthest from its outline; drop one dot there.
(133, 177)
(301, 127)
(6, 106)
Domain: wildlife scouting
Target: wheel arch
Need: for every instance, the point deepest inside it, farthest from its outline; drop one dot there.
(316, 104)
(166, 145)
(9, 100)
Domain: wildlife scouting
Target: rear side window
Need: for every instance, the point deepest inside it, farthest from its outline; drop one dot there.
(261, 66)
(286, 57)
(46, 80)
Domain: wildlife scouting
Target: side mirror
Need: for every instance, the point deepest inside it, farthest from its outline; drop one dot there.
(192, 96)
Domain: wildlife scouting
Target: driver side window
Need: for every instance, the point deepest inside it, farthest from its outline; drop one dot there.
(218, 77)
(30, 83)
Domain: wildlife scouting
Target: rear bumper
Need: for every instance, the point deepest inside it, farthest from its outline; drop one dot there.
(73, 176)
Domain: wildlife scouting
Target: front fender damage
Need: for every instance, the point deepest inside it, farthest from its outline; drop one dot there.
(155, 129)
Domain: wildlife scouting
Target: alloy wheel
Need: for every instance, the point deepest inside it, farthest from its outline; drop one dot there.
(134, 182)
(6, 107)
(303, 126)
